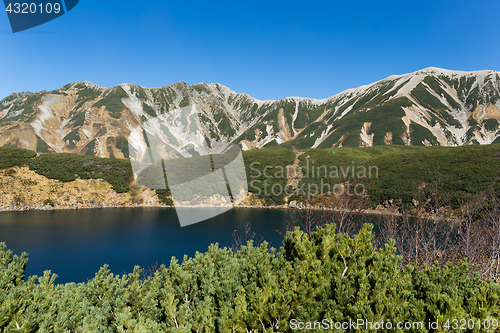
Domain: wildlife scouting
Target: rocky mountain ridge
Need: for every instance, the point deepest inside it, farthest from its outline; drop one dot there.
(428, 107)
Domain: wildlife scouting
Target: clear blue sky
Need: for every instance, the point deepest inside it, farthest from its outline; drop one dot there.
(268, 49)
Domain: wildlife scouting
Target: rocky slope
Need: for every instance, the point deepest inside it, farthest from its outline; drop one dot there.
(23, 189)
(428, 107)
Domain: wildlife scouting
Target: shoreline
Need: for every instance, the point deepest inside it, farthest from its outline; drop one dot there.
(14, 208)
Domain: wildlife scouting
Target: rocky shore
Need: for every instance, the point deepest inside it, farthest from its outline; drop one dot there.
(22, 189)
(14, 208)
(160, 205)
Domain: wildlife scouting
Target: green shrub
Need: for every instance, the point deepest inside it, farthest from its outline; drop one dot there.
(165, 196)
(322, 277)
(491, 124)
(66, 167)
(149, 110)
(10, 157)
(49, 202)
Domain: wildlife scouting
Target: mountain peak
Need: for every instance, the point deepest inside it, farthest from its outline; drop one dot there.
(432, 106)
(449, 72)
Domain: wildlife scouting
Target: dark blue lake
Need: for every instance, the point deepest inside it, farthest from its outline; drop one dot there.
(74, 244)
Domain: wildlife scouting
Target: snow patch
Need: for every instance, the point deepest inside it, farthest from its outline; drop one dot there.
(417, 115)
(365, 137)
(244, 146)
(322, 137)
(295, 114)
(268, 138)
(407, 88)
(136, 140)
(100, 147)
(44, 115)
(62, 133)
(132, 102)
(314, 101)
(346, 111)
(485, 138)
(87, 133)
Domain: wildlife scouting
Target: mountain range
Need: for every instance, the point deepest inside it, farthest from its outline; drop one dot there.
(428, 107)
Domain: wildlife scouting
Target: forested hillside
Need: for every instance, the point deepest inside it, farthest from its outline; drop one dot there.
(377, 177)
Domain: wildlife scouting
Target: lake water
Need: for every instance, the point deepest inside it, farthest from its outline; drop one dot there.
(74, 244)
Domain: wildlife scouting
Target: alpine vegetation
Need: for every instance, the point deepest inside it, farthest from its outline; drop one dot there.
(325, 278)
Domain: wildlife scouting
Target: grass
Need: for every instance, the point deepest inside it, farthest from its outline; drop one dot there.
(72, 136)
(419, 134)
(41, 146)
(491, 124)
(88, 150)
(85, 95)
(149, 110)
(426, 99)
(274, 159)
(113, 101)
(390, 111)
(78, 119)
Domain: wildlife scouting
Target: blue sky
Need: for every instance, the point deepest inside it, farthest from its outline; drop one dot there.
(268, 49)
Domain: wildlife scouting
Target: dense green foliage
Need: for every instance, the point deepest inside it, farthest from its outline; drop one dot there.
(138, 91)
(260, 181)
(72, 136)
(78, 119)
(427, 100)
(419, 134)
(10, 157)
(122, 144)
(67, 167)
(326, 276)
(404, 171)
(388, 173)
(391, 111)
(185, 102)
(85, 94)
(24, 107)
(165, 196)
(491, 124)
